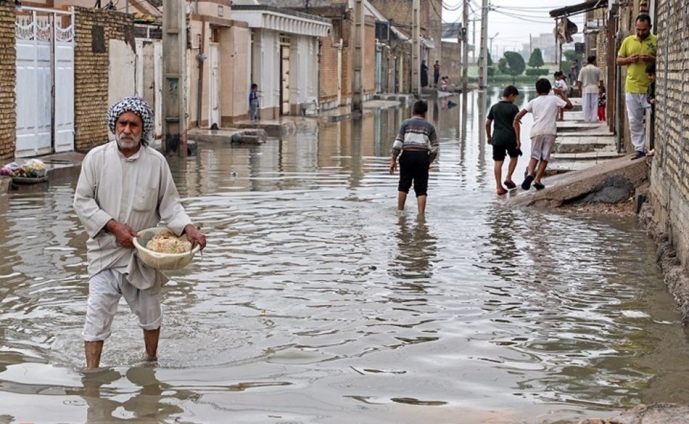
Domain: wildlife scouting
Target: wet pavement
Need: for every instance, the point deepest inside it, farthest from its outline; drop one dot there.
(316, 302)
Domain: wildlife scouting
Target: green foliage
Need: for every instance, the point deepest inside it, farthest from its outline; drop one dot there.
(491, 71)
(515, 63)
(490, 60)
(536, 59)
(502, 65)
(537, 72)
(570, 56)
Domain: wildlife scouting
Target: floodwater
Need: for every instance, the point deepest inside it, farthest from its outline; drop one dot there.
(316, 303)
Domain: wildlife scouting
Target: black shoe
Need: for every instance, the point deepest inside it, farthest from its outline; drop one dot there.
(538, 186)
(638, 155)
(527, 182)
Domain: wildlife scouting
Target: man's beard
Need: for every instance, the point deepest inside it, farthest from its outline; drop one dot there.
(127, 142)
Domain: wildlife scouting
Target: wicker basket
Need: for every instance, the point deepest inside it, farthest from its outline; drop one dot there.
(161, 261)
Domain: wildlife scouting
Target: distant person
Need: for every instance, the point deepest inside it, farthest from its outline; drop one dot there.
(651, 92)
(504, 137)
(544, 130)
(443, 83)
(416, 145)
(601, 104)
(561, 83)
(124, 187)
(424, 74)
(253, 102)
(436, 73)
(574, 71)
(590, 83)
(636, 52)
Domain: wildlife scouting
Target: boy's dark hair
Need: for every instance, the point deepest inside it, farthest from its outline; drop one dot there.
(254, 86)
(644, 18)
(510, 90)
(543, 86)
(591, 59)
(420, 107)
(558, 73)
(651, 68)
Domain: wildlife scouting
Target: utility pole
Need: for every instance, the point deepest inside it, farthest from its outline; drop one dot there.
(416, 48)
(465, 46)
(483, 57)
(473, 41)
(174, 67)
(358, 59)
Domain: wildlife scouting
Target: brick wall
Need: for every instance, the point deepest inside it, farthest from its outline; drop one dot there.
(8, 70)
(670, 172)
(329, 76)
(94, 30)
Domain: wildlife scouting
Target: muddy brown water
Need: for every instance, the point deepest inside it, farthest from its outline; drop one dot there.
(316, 303)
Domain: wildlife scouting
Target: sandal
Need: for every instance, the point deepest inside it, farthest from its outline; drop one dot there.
(510, 184)
(538, 186)
(527, 182)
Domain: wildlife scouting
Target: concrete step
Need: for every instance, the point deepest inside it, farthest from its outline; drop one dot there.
(586, 155)
(584, 144)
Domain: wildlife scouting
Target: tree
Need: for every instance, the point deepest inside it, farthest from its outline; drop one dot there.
(536, 59)
(570, 56)
(512, 64)
(490, 60)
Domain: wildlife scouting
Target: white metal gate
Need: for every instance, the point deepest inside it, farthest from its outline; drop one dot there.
(214, 86)
(45, 81)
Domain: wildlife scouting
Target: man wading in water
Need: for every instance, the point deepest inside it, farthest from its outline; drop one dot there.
(124, 187)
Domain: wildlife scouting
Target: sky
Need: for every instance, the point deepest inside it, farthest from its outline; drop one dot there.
(530, 16)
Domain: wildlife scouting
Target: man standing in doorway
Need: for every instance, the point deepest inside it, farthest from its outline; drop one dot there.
(590, 83)
(636, 52)
(436, 73)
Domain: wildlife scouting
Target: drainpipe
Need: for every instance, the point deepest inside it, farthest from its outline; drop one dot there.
(319, 43)
(199, 87)
(619, 90)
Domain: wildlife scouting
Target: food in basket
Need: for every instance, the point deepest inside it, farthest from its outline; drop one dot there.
(167, 242)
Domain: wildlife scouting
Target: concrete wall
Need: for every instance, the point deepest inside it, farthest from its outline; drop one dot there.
(8, 70)
(91, 71)
(370, 56)
(121, 70)
(233, 40)
(235, 67)
(450, 64)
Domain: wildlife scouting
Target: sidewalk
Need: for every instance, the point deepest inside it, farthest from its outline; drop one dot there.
(585, 167)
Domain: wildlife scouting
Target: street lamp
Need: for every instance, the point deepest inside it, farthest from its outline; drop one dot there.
(491, 43)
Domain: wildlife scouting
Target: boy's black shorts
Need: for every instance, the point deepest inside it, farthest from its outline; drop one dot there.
(414, 166)
(500, 152)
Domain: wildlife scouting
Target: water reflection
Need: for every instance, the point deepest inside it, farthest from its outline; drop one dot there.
(147, 400)
(416, 250)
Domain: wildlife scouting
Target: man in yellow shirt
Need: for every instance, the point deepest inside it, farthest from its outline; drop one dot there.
(636, 52)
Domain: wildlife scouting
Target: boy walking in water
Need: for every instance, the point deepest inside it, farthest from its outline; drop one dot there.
(504, 137)
(416, 145)
(544, 130)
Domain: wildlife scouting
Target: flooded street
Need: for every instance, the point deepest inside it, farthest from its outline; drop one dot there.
(314, 302)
